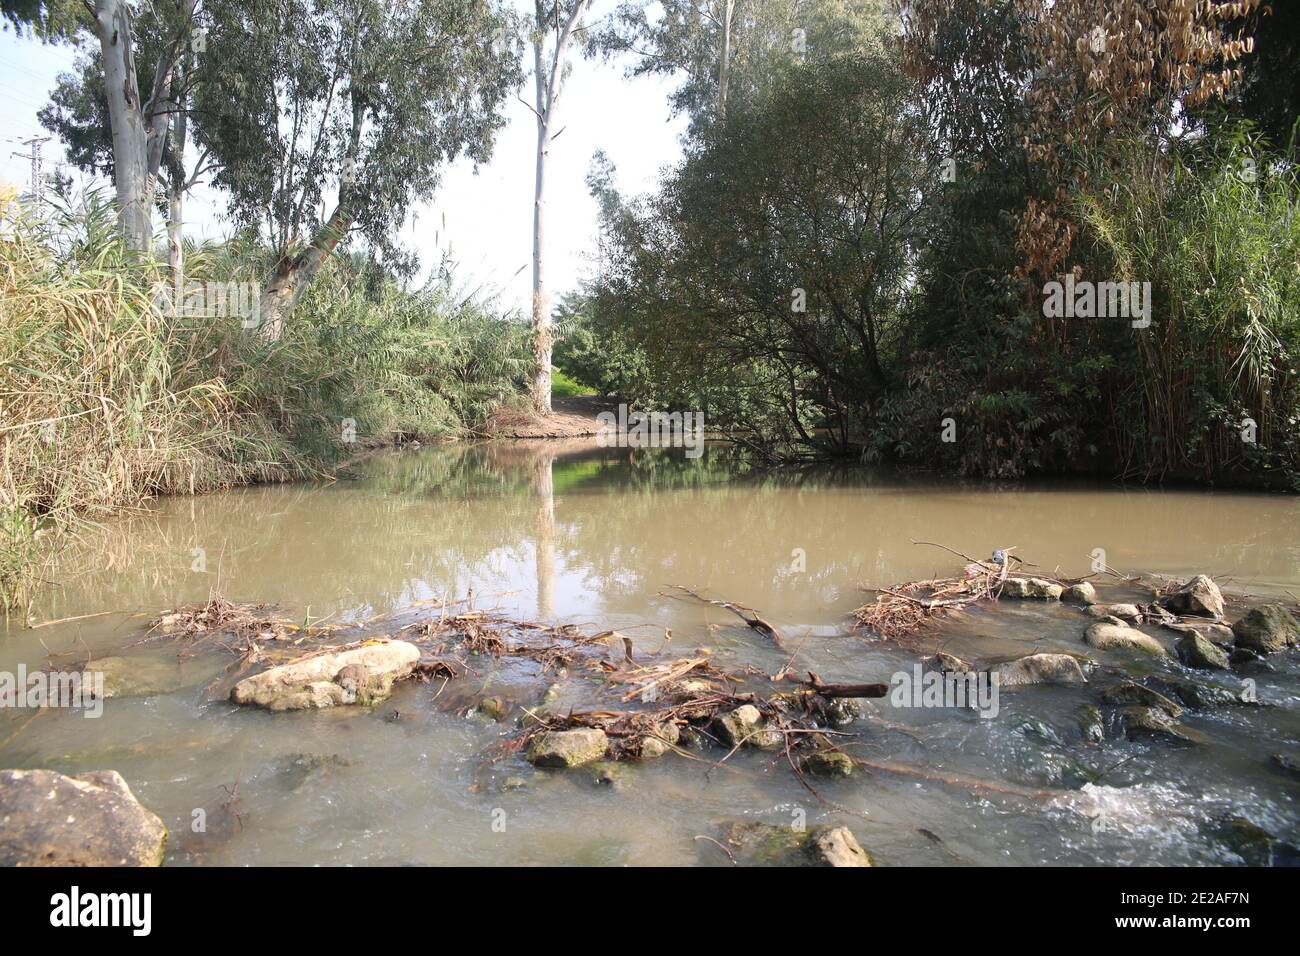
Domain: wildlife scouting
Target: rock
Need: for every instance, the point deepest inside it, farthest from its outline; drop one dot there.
(1200, 696)
(745, 725)
(1045, 590)
(1125, 612)
(568, 748)
(1288, 764)
(658, 743)
(1267, 629)
(1199, 596)
(762, 844)
(1090, 723)
(1197, 651)
(1040, 669)
(609, 774)
(1248, 661)
(1108, 637)
(947, 664)
(836, 846)
(1081, 593)
(93, 819)
(136, 676)
(1255, 845)
(1152, 722)
(828, 763)
(692, 739)
(309, 682)
(491, 707)
(296, 769)
(1214, 633)
(1038, 588)
(1131, 694)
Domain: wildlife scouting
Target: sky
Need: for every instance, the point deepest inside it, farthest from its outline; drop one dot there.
(488, 213)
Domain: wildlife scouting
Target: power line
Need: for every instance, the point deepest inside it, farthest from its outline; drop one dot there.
(38, 183)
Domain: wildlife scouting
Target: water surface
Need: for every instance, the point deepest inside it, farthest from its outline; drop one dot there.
(573, 533)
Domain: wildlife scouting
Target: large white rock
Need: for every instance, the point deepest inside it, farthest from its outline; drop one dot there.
(310, 682)
(1119, 637)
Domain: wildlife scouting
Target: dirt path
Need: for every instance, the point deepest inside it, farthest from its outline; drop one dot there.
(571, 417)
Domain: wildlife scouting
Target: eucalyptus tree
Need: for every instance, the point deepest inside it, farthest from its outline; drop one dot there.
(78, 113)
(553, 29)
(328, 119)
(139, 127)
(728, 48)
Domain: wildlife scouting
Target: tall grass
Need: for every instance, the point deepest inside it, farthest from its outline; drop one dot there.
(1218, 238)
(107, 399)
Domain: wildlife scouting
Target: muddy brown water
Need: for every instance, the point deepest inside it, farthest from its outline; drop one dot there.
(576, 533)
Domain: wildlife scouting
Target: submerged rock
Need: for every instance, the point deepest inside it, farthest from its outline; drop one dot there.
(1199, 696)
(136, 676)
(323, 680)
(946, 663)
(568, 748)
(1153, 722)
(91, 819)
(1081, 593)
(1267, 629)
(1132, 694)
(1199, 596)
(828, 763)
(1290, 765)
(1121, 637)
(492, 708)
(1197, 651)
(296, 769)
(1040, 669)
(1090, 723)
(609, 774)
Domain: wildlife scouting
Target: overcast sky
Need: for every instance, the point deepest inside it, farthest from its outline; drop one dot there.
(489, 215)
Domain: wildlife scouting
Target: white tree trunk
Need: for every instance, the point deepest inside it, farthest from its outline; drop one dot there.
(547, 96)
(724, 67)
(541, 307)
(130, 162)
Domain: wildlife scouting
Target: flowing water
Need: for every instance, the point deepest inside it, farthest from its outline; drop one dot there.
(573, 533)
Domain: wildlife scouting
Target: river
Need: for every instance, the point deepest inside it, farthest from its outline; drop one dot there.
(574, 533)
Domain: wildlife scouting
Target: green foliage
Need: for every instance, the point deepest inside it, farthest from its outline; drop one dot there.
(565, 387)
(766, 283)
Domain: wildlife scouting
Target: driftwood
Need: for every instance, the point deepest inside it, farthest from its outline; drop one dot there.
(746, 614)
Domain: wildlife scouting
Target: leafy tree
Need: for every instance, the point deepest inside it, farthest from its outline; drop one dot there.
(730, 50)
(768, 277)
(354, 104)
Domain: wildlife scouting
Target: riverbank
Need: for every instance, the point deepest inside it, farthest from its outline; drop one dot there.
(112, 395)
